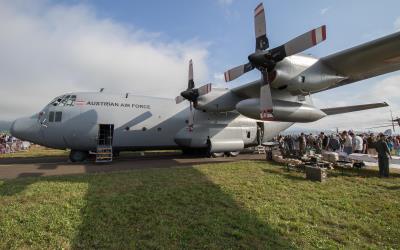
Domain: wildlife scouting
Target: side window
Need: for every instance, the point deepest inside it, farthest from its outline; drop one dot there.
(58, 117)
(51, 116)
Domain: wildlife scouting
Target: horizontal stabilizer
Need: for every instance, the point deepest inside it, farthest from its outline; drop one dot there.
(348, 109)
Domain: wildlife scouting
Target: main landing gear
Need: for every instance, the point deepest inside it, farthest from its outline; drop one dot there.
(78, 156)
(227, 154)
(206, 152)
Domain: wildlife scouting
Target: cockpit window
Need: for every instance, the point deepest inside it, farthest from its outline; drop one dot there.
(65, 100)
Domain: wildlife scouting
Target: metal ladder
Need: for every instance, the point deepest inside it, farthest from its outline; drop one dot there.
(259, 150)
(104, 153)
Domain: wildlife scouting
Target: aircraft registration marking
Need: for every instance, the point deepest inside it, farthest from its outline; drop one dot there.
(117, 104)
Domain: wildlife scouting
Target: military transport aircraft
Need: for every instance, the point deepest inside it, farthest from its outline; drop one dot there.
(209, 118)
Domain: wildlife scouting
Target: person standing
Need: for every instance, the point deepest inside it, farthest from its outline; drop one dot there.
(357, 143)
(334, 143)
(383, 156)
(347, 145)
(396, 145)
(371, 144)
(302, 144)
(365, 144)
(325, 141)
(389, 142)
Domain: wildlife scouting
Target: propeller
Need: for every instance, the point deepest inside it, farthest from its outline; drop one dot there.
(265, 60)
(192, 94)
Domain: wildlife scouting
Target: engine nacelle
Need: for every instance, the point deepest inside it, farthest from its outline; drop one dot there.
(284, 111)
(218, 100)
(315, 78)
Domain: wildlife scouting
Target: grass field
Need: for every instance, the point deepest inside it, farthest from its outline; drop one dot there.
(36, 151)
(39, 151)
(246, 204)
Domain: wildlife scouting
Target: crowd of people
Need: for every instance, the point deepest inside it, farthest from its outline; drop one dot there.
(347, 142)
(10, 144)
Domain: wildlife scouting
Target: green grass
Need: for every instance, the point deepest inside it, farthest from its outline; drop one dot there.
(36, 151)
(39, 151)
(249, 205)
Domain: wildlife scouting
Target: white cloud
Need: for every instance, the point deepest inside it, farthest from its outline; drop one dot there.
(219, 77)
(324, 11)
(397, 24)
(49, 49)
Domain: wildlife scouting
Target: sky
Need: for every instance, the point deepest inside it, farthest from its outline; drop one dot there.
(49, 48)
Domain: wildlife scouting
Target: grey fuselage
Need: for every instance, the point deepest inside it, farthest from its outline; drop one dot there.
(141, 123)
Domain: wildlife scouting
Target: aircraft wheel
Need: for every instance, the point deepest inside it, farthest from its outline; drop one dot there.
(233, 153)
(78, 156)
(215, 155)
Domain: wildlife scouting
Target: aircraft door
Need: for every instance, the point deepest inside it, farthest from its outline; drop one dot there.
(105, 135)
(249, 133)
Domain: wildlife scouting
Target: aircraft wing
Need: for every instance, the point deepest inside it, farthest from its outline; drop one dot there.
(370, 59)
(348, 109)
(249, 90)
(367, 60)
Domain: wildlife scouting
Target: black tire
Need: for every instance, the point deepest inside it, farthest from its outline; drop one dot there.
(215, 155)
(78, 156)
(233, 153)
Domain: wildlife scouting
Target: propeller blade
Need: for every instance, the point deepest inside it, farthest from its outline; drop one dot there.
(305, 41)
(190, 76)
(179, 99)
(205, 89)
(266, 106)
(236, 72)
(191, 117)
(260, 28)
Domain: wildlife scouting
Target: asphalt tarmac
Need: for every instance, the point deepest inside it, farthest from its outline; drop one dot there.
(52, 166)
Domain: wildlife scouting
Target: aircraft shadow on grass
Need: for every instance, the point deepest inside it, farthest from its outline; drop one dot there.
(180, 209)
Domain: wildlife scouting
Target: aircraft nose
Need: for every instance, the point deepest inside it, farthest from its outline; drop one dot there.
(25, 129)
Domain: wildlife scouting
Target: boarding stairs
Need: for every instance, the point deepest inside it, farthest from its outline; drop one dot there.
(260, 149)
(104, 154)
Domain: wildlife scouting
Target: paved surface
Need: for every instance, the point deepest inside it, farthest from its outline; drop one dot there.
(50, 166)
(391, 166)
